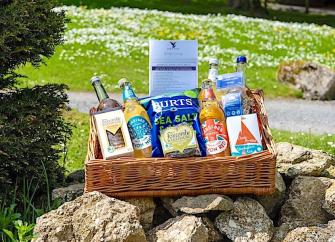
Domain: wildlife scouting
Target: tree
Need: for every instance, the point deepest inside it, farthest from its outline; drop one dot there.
(29, 31)
(32, 128)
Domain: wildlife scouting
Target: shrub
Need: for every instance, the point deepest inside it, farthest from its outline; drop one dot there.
(29, 31)
(32, 129)
(33, 134)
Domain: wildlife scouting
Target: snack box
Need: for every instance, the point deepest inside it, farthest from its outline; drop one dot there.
(244, 136)
(113, 134)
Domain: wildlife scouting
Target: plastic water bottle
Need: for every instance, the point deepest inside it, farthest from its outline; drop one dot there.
(248, 102)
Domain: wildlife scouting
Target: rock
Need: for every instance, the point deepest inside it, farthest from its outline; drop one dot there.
(167, 203)
(308, 234)
(294, 160)
(213, 234)
(314, 80)
(247, 221)
(147, 207)
(186, 228)
(161, 214)
(281, 231)
(203, 204)
(320, 233)
(91, 217)
(329, 203)
(69, 193)
(272, 202)
(304, 203)
(76, 177)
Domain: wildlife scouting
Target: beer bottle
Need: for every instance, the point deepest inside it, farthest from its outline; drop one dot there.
(138, 121)
(116, 139)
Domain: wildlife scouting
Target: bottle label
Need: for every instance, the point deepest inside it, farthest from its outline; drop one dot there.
(232, 104)
(140, 132)
(230, 80)
(215, 135)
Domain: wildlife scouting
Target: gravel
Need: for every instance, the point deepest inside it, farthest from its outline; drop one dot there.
(295, 115)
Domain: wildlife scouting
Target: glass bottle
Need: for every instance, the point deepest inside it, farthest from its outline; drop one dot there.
(248, 102)
(213, 123)
(104, 101)
(213, 74)
(138, 121)
(115, 140)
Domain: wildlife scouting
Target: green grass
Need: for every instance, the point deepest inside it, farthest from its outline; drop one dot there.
(77, 146)
(205, 7)
(113, 43)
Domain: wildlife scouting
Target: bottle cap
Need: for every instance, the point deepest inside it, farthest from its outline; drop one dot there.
(122, 82)
(241, 59)
(95, 79)
(213, 61)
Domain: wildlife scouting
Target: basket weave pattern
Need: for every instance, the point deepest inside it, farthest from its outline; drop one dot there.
(134, 177)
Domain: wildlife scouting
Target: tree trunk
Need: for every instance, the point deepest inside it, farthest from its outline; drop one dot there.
(266, 5)
(307, 6)
(245, 4)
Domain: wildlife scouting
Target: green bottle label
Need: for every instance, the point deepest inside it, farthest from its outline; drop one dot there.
(140, 132)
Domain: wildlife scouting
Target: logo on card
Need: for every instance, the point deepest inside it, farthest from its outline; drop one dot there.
(173, 44)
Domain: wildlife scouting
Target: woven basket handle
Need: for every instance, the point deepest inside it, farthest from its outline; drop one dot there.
(258, 96)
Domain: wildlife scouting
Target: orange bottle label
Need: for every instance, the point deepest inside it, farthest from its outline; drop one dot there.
(215, 135)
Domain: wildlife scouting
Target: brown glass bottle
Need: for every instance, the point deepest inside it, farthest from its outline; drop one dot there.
(116, 140)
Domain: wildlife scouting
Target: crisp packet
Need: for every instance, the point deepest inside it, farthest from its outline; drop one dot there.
(176, 128)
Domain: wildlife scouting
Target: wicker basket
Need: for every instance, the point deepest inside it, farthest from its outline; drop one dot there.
(133, 177)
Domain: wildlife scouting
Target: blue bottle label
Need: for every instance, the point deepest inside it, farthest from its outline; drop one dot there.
(140, 132)
(230, 80)
(232, 104)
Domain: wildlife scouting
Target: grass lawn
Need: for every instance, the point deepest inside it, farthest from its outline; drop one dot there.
(204, 7)
(77, 146)
(113, 43)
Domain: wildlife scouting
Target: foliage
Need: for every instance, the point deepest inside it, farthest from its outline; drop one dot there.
(15, 227)
(33, 135)
(29, 31)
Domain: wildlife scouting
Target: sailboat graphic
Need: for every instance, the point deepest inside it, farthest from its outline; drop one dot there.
(245, 138)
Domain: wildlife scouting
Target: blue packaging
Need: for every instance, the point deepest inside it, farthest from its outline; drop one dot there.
(230, 86)
(176, 128)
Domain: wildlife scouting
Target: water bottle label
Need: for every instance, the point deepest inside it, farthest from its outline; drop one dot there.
(140, 132)
(233, 104)
(230, 80)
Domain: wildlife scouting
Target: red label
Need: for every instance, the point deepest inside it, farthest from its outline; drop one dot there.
(215, 135)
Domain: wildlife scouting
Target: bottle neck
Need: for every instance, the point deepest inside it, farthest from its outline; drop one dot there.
(241, 67)
(100, 91)
(128, 93)
(207, 89)
(213, 74)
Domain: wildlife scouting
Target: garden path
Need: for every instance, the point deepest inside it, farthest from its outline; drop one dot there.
(295, 115)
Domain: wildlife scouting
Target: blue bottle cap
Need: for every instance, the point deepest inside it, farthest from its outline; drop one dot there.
(241, 59)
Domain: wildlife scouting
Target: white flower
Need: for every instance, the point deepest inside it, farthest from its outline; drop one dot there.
(124, 32)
